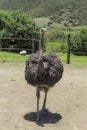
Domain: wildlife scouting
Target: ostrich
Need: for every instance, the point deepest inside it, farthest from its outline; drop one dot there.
(43, 71)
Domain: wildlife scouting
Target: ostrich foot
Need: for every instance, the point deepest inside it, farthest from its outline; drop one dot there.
(37, 119)
(44, 110)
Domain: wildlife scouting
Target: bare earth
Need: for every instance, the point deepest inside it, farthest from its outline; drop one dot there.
(66, 103)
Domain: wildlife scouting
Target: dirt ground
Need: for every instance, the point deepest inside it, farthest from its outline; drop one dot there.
(67, 100)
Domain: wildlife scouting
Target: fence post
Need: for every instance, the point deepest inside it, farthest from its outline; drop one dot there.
(68, 49)
(33, 45)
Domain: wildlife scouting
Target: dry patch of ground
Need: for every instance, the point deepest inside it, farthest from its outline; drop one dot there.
(67, 101)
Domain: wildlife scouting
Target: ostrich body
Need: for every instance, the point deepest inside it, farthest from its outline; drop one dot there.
(43, 71)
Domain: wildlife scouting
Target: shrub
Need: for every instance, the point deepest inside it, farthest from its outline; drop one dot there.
(79, 45)
(17, 25)
(56, 35)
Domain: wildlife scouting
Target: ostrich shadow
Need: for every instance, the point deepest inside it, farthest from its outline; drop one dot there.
(45, 117)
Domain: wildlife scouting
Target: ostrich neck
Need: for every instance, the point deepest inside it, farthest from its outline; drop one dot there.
(41, 53)
(41, 45)
(40, 64)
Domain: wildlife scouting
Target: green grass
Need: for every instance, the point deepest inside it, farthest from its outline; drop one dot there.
(12, 57)
(73, 58)
(78, 59)
(8, 56)
(56, 46)
(59, 46)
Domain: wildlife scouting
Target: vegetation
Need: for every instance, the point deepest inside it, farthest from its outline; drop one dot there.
(56, 34)
(66, 12)
(79, 42)
(11, 57)
(16, 22)
(18, 27)
(56, 46)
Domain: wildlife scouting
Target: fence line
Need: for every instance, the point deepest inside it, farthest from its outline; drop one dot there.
(68, 42)
(77, 42)
(20, 38)
(16, 38)
(15, 49)
(63, 51)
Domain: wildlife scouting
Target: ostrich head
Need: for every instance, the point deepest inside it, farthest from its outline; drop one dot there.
(43, 30)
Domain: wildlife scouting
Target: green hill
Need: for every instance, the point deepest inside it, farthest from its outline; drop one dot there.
(64, 12)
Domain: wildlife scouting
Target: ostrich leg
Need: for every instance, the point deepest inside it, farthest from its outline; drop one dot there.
(38, 97)
(44, 103)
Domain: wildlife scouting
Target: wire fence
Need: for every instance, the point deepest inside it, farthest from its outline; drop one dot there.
(19, 38)
(33, 40)
(63, 51)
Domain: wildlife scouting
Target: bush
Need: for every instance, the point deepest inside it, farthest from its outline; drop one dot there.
(17, 25)
(79, 44)
(56, 35)
(55, 46)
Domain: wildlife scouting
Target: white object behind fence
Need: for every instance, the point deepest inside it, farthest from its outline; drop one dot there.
(23, 52)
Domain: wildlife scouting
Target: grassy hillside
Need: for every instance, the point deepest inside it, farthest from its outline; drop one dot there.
(64, 12)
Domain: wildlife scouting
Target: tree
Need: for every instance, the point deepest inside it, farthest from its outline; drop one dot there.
(79, 45)
(18, 27)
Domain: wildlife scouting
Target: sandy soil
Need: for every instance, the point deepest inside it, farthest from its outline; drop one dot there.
(67, 101)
